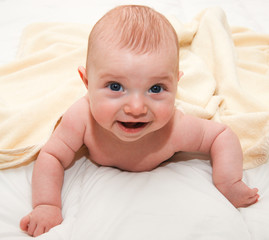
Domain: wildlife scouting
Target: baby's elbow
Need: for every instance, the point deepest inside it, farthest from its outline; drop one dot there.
(228, 131)
(227, 136)
(60, 153)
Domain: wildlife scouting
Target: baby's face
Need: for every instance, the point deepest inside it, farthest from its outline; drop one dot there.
(132, 95)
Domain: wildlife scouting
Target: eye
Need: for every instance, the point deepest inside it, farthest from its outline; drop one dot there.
(115, 87)
(156, 89)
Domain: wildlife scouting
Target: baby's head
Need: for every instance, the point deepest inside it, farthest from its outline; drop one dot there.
(132, 71)
(139, 29)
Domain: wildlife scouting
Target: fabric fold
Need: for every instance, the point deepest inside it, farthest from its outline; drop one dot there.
(226, 79)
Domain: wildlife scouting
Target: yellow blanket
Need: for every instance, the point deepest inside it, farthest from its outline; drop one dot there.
(226, 78)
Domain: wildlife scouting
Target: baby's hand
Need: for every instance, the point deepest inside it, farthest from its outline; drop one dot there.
(41, 220)
(239, 194)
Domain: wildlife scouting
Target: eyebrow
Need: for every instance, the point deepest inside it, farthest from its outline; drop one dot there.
(162, 78)
(109, 75)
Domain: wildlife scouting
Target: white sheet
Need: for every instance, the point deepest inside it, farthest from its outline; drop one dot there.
(175, 201)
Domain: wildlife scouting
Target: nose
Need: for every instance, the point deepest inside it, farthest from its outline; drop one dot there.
(135, 106)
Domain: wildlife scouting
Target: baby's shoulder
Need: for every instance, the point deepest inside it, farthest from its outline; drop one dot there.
(183, 124)
(80, 106)
(178, 116)
(78, 110)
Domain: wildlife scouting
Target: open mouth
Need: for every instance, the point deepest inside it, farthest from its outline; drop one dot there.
(132, 126)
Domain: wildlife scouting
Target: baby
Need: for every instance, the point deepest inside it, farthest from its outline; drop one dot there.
(128, 119)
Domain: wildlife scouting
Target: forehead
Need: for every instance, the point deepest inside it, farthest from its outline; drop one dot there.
(123, 62)
(110, 53)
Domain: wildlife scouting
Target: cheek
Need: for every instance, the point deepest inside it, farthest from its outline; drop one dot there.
(164, 111)
(102, 110)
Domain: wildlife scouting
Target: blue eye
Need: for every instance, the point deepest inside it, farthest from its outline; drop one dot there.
(115, 87)
(156, 89)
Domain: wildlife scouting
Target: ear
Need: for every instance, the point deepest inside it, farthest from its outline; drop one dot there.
(180, 74)
(82, 73)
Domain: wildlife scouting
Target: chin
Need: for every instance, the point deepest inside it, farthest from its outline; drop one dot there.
(129, 138)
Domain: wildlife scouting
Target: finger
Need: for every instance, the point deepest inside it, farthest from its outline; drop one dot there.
(24, 223)
(31, 228)
(38, 231)
(254, 192)
(252, 200)
(47, 229)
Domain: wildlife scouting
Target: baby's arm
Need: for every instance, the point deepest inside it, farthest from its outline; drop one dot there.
(222, 144)
(227, 163)
(48, 173)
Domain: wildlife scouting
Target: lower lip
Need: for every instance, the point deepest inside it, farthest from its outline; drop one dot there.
(131, 130)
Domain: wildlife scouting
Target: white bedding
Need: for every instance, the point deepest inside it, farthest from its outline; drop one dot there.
(174, 201)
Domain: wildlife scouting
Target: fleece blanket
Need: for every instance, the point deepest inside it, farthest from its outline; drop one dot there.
(226, 79)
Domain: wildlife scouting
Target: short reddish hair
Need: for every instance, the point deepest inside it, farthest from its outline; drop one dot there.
(138, 28)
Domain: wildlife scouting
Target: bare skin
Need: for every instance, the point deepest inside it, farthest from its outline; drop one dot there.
(128, 120)
(48, 178)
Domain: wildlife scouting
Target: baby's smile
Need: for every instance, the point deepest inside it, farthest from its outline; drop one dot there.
(132, 127)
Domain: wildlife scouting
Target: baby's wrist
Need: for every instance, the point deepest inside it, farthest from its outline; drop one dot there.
(47, 206)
